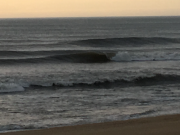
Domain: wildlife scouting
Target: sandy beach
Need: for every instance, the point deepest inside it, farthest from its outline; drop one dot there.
(161, 125)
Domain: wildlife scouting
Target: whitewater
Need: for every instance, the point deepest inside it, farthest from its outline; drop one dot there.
(71, 71)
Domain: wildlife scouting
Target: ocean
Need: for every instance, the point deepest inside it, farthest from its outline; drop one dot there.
(70, 71)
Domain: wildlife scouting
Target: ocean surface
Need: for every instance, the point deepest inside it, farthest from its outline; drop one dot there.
(71, 71)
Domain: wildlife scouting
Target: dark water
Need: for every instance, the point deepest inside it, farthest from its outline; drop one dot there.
(68, 71)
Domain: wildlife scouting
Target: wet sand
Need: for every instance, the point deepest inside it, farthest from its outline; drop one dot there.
(161, 125)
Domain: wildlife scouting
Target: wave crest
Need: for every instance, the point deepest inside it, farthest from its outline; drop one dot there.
(138, 81)
(155, 79)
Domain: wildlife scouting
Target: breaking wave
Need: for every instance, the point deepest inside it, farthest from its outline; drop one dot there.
(91, 57)
(155, 79)
(10, 87)
(138, 81)
(95, 57)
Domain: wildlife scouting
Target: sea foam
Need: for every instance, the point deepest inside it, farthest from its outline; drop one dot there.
(10, 87)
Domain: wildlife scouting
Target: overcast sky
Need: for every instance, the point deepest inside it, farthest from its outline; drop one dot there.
(88, 8)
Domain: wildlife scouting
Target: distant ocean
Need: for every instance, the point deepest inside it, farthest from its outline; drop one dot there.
(71, 71)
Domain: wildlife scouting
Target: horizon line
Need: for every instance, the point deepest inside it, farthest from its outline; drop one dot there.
(142, 16)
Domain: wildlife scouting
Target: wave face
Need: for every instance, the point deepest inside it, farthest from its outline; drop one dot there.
(89, 57)
(135, 41)
(79, 57)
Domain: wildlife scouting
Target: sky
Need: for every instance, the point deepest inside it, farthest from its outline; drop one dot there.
(87, 8)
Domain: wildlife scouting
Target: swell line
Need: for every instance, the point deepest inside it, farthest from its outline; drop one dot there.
(128, 41)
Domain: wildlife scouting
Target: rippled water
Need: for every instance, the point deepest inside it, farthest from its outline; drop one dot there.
(57, 72)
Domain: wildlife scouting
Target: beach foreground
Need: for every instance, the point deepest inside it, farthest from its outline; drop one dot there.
(161, 125)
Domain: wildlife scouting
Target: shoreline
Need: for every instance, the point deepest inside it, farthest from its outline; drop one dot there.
(159, 125)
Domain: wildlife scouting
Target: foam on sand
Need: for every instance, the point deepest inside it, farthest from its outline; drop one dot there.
(161, 125)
